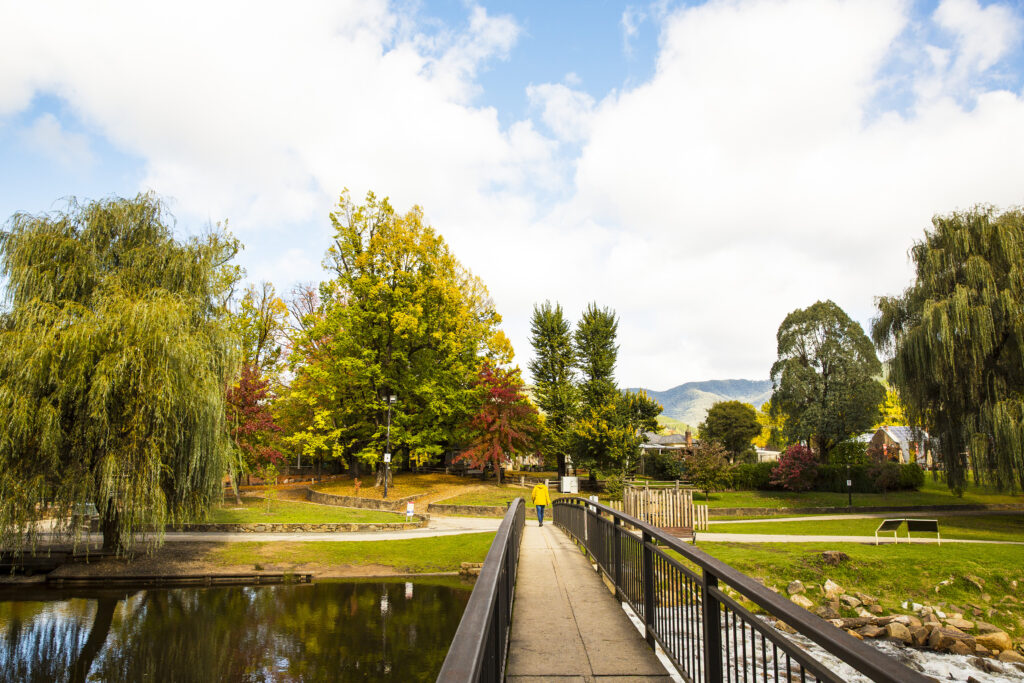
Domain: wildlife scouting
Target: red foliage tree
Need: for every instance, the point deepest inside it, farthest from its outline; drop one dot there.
(504, 423)
(796, 470)
(250, 421)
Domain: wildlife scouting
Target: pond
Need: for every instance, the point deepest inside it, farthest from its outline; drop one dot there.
(325, 631)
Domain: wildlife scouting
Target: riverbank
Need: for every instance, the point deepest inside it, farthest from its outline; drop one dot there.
(973, 588)
(323, 559)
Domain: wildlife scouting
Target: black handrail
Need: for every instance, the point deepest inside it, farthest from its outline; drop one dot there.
(709, 636)
(478, 651)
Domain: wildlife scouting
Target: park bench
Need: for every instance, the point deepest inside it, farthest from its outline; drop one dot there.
(889, 525)
(913, 524)
(925, 525)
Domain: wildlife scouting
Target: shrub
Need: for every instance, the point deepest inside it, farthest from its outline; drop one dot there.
(664, 466)
(911, 476)
(708, 468)
(613, 487)
(886, 476)
(833, 478)
(753, 476)
(796, 470)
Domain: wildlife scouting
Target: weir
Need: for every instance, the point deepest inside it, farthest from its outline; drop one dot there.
(686, 600)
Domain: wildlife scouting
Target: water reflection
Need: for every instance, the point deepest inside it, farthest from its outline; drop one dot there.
(321, 632)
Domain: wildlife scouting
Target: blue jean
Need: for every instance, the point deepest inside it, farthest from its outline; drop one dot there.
(540, 514)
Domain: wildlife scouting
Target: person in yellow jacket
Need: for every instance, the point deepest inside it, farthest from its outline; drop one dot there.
(540, 497)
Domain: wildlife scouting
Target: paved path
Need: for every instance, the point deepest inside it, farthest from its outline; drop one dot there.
(566, 626)
(788, 538)
(870, 515)
(439, 526)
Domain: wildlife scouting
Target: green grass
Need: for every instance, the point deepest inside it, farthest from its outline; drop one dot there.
(932, 493)
(495, 495)
(404, 484)
(892, 573)
(254, 511)
(415, 555)
(980, 527)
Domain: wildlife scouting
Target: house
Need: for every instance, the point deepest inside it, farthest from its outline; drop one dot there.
(901, 444)
(765, 455)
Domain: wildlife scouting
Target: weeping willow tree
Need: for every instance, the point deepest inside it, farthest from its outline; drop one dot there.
(114, 356)
(956, 337)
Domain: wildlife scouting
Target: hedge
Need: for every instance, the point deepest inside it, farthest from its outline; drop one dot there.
(757, 477)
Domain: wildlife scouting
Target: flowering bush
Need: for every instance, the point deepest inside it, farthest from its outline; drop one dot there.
(797, 469)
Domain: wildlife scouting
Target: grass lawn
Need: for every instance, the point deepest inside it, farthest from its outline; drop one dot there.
(254, 511)
(982, 527)
(932, 493)
(493, 495)
(417, 555)
(893, 573)
(405, 484)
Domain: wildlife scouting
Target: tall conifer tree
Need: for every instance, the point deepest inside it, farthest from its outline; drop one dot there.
(553, 370)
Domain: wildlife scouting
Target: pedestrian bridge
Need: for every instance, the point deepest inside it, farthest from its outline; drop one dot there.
(551, 605)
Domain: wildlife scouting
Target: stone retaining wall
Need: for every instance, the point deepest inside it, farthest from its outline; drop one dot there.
(329, 527)
(396, 505)
(475, 510)
(751, 512)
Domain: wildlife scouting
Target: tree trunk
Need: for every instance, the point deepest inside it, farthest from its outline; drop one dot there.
(501, 476)
(561, 465)
(110, 524)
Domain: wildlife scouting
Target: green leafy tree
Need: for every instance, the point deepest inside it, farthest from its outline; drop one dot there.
(772, 427)
(553, 371)
(402, 317)
(707, 467)
(956, 336)
(260, 324)
(637, 415)
(826, 377)
(734, 425)
(114, 359)
(598, 433)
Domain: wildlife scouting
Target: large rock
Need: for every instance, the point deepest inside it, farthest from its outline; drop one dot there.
(996, 640)
(871, 631)
(832, 589)
(796, 587)
(827, 612)
(856, 622)
(944, 639)
(961, 624)
(1011, 656)
(803, 601)
(919, 636)
(898, 631)
(961, 648)
(851, 602)
(834, 558)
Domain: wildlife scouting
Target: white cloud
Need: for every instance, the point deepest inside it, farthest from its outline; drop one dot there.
(751, 175)
(631, 19)
(983, 35)
(67, 148)
(567, 112)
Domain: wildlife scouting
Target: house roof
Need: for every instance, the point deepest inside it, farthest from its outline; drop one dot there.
(666, 439)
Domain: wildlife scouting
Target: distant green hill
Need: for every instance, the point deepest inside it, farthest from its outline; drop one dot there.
(673, 425)
(688, 403)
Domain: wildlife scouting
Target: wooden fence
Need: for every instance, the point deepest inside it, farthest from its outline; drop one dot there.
(667, 508)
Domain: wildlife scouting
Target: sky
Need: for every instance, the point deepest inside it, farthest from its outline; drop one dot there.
(702, 168)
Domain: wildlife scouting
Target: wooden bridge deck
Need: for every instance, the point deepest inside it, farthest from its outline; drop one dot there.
(566, 625)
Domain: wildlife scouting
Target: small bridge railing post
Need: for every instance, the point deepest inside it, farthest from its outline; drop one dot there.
(711, 615)
(648, 569)
(617, 554)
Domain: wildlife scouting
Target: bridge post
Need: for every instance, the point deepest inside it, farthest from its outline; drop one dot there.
(648, 569)
(617, 555)
(712, 623)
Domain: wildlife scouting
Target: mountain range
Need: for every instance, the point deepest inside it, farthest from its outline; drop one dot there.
(688, 403)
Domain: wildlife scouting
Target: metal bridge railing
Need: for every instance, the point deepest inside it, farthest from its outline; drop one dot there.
(477, 652)
(708, 635)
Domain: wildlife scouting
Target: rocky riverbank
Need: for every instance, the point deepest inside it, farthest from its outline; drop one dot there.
(939, 626)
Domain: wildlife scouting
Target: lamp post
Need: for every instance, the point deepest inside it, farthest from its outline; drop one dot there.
(387, 449)
(849, 483)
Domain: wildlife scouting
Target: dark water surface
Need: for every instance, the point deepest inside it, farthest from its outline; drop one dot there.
(326, 631)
